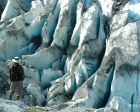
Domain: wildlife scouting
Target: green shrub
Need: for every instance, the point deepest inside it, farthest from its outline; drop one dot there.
(31, 109)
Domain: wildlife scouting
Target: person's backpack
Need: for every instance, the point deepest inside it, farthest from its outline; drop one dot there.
(15, 73)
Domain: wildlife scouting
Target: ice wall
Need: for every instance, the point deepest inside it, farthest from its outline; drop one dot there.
(75, 53)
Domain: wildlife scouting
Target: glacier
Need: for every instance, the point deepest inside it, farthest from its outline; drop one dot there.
(76, 54)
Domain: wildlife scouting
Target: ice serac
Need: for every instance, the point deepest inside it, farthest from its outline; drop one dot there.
(13, 9)
(65, 24)
(19, 21)
(120, 64)
(61, 36)
(49, 26)
(25, 29)
(21, 37)
(129, 69)
(37, 9)
(81, 64)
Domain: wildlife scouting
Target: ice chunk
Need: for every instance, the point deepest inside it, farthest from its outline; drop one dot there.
(49, 75)
(31, 75)
(70, 86)
(44, 58)
(55, 90)
(120, 104)
(36, 91)
(58, 100)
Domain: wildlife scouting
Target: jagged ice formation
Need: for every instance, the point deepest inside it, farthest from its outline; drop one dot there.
(75, 53)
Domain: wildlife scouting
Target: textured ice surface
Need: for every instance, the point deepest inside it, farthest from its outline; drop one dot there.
(76, 53)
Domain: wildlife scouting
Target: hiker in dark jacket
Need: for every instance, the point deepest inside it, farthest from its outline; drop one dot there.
(16, 75)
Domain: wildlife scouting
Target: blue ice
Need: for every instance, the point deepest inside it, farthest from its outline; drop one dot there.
(134, 10)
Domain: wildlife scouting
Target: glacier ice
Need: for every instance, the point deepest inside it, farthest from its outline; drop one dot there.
(16, 106)
(3, 3)
(82, 65)
(31, 75)
(51, 55)
(57, 100)
(20, 21)
(121, 104)
(134, 9)
(49, 75)
(21, 38)
(37, 92)
(49, 28)
(11, 10)
(75, 53)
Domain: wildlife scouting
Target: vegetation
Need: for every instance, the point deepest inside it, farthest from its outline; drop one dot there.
(32, 109)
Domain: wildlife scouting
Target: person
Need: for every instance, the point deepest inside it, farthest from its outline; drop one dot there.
(16, 75)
